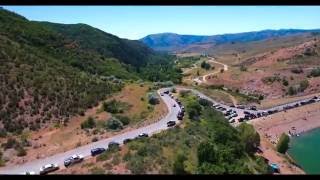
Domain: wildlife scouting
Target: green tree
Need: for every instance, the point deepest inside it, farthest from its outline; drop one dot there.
(207, 153)
(205, 65)
(89, 123)
(303, 85)
(178, 164)
(249, 137)
(292, 91)
(114, 124)
(285, 82)
(283, 143)
(243, 68)
(194, 109)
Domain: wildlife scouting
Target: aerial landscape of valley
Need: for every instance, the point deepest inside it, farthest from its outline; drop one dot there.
(159, 90)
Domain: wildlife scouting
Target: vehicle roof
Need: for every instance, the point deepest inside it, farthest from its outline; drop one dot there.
(48, 165)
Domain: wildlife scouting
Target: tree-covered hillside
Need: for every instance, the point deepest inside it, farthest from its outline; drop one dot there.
(50, 72)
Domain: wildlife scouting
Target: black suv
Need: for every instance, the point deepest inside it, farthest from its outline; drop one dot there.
(171, 123)
(126, 141)
(97, 151)
(113, 144)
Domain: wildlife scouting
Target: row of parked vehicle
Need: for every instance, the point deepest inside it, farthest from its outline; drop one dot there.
(77, 158)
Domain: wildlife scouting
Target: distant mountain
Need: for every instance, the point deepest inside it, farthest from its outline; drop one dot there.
(175, 42)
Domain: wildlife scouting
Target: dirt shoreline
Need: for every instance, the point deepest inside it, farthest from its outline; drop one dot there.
(298, 121)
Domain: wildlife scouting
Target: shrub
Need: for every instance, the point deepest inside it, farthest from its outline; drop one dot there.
(243, 68)
(153, 99)
(115, 106)
(114, 124)
(94, 139)
(97, 170)
(21, 152)
(297, 70)
(249, 137)
(303, 85)
(124, 119)
(11, 143)
(3, 133)
(184, 93)
(315, 72)
(205, 65)
(178, 164)
(292, 91)
(285, 82)
(283, 143)
(88, 124)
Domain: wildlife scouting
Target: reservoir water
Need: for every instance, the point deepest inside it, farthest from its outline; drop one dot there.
(305, 150)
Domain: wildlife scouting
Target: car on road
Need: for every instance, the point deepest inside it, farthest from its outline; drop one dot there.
(143, 135)
(166, 92)
(29, 173)
(126, 141)
(254, 108)
(234, 115)
(113, 144)
(73, 160)
(161, 94)
(174, 105)
(171, 123)
(97, 151)
(48, 168)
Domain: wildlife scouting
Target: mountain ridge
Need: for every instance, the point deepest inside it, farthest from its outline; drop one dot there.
(174, 42)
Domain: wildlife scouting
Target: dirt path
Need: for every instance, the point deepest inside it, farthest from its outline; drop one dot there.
(233, 99)
(203, 79)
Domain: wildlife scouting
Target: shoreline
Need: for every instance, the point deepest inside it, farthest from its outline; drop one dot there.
(301, 120)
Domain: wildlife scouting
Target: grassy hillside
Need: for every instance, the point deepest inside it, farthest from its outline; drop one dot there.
(50, 72)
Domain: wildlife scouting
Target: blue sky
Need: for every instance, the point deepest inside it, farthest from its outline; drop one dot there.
(135, 22)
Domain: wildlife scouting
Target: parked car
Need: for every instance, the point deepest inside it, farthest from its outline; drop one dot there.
(166, 92)
(97, 151)
(234, 115)
(29, 173)
(174, 105)
(171, 123)
(73, 160)
(143, 135)
(254, 108)
(48, 168)
(113, 145)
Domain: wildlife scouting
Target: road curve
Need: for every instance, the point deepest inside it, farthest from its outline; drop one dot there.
(150, 129)
(85, 150)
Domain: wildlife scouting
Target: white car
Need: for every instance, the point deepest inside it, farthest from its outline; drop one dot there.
(73, 159)
(29, 173)
(48, 168)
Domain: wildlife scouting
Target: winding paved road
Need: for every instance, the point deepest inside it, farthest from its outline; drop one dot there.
(150, 129)
(86, 150)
